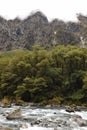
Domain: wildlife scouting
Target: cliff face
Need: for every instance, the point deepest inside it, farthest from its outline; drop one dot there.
(36, 29)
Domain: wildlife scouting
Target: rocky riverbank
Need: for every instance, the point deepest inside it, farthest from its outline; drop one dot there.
(42, 118)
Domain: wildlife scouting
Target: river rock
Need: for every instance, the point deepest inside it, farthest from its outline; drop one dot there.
(48, 106)
(77, 108)
(24, 125)
(70, 109)
(81, 122)
(75, 116)
(16, 114)
(78, 119)
(73, 109)
(2, 128)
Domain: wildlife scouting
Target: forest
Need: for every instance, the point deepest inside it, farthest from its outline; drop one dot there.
(55, 76)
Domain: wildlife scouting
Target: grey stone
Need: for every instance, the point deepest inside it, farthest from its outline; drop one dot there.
(16, 114)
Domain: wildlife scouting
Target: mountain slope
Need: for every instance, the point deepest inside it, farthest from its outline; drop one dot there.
(36, 29)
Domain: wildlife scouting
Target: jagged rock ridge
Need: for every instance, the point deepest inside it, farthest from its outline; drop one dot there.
(36, 29)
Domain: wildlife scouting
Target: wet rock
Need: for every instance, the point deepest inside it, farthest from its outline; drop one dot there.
(16, 114)
(37, 122)
(48, 106)
(76, 116)
(81, 122)
(78, 119)
(77, 108)
(23, 125)
(6, 106)
(70, 109)
(55, 113)
(49, 120)
(2, 128)
(30, 119)
(73, 109)
(62, 123)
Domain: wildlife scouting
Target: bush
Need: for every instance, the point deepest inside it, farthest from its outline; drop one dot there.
(6, 101)
(56, 101)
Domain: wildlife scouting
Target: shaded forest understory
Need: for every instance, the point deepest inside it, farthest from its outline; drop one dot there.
(57, 76)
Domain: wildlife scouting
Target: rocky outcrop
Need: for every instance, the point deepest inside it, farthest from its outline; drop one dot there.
(82, 19)
(36, 29)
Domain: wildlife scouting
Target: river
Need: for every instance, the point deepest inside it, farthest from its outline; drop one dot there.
(34, 118)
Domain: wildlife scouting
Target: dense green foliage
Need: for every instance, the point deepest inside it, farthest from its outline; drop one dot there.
(55, 76)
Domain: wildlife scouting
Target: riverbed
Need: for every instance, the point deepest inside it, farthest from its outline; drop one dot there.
(36, 118)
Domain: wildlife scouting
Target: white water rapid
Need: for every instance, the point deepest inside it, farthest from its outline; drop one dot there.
(34, 118)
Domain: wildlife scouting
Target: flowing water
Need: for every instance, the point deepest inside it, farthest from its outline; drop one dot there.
(34, 118)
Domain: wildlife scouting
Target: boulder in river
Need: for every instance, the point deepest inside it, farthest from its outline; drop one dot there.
(16, 114)
(70, 109)
(77, 108)
(81, 122)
